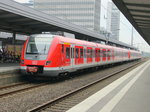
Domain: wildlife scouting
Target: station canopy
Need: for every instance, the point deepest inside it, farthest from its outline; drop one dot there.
(20, 19)
(138, 13)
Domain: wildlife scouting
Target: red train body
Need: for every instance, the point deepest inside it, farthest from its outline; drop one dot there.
(52, 55)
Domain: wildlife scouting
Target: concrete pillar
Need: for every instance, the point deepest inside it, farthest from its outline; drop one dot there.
(14, 41)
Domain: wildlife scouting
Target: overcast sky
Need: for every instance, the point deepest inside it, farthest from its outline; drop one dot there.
(125, 28)
(22, 1)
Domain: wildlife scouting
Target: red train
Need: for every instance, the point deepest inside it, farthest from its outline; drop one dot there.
(52, 55)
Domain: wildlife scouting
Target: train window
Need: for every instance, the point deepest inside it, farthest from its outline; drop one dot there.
(91, 53)
(77, 52)
(123, 54)
(116, 53)
(111, 53)
(98, 53)
(81, 53)
(85, 53)
(104, 52)
(88, 53)
(101, 53)
(108, 53)
(67, 52)
(72, 52)
(62, 48)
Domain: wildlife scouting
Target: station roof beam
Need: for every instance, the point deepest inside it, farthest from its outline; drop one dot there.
(138, 13)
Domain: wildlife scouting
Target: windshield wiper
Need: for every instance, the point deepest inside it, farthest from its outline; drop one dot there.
(44, 48)
(31, 53)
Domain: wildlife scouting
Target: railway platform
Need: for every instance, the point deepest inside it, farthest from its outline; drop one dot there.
(9, 73)
(129, 93)
(8, 67)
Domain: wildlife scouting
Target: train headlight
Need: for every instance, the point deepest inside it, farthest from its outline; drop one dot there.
(48, 62)
(22, 61)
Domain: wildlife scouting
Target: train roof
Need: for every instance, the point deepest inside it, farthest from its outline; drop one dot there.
(76, 41)
(84, 43)
(79, 42)
(87, 43)
(43, 35)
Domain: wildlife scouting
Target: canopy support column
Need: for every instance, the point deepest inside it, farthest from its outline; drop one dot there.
(14, 42)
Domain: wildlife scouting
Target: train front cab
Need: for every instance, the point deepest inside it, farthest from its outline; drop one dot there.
(39, 55)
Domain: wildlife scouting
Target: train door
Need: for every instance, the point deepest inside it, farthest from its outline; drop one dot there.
(62, 55)
(67, 56)
(101, 54)
(104, 54)
(113, 57)
(129, 55)
(85, 55)
(108, 54)
(123, 55)
(97, 55)
(72, 55)
(76, 55)
(93, 55)
(81, 55)
(89, 55)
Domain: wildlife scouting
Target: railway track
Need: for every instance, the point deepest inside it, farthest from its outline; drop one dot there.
(56, 105)
(18, 88)
(11, 85)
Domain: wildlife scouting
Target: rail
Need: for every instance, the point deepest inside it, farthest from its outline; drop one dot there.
(47, 104)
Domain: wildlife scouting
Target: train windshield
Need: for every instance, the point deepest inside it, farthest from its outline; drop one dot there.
(39, 45)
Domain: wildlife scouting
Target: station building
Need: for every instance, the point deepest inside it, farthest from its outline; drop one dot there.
(85, 13)
(113, 20)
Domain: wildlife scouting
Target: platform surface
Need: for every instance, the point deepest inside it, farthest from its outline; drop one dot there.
(130, 93)
(6, 67)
